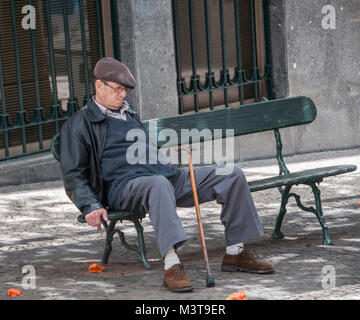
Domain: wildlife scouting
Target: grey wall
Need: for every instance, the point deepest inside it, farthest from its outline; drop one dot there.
(147, 47)
(30, 169)
(325, 65)
(279, 48)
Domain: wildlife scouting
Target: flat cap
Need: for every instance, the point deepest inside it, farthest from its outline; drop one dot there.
(110, 69)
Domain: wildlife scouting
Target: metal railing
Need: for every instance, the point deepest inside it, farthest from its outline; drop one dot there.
(196, 81)
(44, 121)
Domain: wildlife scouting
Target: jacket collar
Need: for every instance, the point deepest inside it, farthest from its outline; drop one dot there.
(95, 115)
(93, 112)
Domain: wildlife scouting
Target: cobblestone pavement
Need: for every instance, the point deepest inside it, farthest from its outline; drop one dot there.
(39, 228)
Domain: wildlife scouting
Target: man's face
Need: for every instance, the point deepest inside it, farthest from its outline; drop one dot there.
(110, 93)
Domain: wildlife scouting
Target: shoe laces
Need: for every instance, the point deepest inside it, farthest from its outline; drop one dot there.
(252, 253)
(179, 269)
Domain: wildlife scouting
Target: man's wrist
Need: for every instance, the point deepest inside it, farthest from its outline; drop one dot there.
(91, 208)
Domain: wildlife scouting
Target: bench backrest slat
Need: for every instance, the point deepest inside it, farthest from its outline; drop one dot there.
(245, 119)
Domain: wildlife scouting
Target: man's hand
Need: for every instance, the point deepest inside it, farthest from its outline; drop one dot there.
(93, 218)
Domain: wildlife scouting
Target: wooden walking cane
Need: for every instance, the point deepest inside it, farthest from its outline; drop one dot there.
(210, 279)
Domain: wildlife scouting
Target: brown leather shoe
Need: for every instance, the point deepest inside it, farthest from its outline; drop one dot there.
(175, 279)
(245, 262)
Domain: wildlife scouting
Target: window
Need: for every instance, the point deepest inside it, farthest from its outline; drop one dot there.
(46, 72)
(220, 52)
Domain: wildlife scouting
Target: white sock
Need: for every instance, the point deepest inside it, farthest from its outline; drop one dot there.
(235, 249)
(171, 259)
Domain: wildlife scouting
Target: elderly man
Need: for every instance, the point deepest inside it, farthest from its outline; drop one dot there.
(98, 175)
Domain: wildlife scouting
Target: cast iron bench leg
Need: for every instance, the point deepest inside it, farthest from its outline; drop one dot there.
(277, 234)
(319, 214)
(142, 251)
(109, 238)
(110, 231)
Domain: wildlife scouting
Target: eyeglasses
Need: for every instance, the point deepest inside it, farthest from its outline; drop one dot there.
(116, 90)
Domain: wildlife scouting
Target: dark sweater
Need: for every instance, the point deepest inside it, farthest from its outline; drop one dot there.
(115, 167)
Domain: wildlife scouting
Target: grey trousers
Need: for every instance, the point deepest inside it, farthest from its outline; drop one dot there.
(159, 197)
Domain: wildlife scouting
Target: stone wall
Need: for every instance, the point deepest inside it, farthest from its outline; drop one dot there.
(147, 46)
(324, 65)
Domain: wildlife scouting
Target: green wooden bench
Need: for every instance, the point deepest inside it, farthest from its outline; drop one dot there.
(246, 119)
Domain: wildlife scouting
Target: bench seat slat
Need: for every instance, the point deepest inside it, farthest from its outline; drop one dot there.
(299, 177)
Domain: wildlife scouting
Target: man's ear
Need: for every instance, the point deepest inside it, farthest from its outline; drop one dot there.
(98, 85)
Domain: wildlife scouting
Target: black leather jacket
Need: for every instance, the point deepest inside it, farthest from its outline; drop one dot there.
(82, 142)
